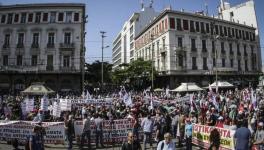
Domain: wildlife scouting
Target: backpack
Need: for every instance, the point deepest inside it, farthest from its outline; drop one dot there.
(162, 146)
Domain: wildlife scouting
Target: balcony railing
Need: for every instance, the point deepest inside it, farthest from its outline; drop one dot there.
(50, 45)
(20, 45)
(194, 67)
(194, 49)
(34, 45)
(204, 50)
(6, 46)
(67, 45)
(231, 53)
(49, 68)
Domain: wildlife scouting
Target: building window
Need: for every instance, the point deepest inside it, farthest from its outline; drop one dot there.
(3, 19)
(34, 60)
(225, 31)
(66, 61)
(185, 25)
(216, 30)
(231, 63)
(5, 60)
(179, 25)
(45, 17)
(194, 66)
(202, 28)
(179, 41)
(240, 34)
(246, 65)
(10, 19)
(197, 26)
(236, 32)
(207, 28)
(222, 47)
(16, 18)
(214, 62)
(35, 41)
(69, 16)
(37, 17)
(7, 41)
(61, 15)
(19, 60)
(239, 65)
(205, 63)
(221, 31)
(193, 45)
(233, 32)
(229, 32)
(245, 50)
(76, 16)
(213, 46)
(23, 18)
(51, 39)
(67, 38)
(52, 17)
(223, 62)
(192, 26)
(204, 49)
(20, 40)
(132, 29)
(30, 17)
(231, 48)
(180, 60)
(49, 62)
(172, 23)
(238, 50)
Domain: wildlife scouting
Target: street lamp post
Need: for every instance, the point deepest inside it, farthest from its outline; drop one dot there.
(102, 63)
(215, 37)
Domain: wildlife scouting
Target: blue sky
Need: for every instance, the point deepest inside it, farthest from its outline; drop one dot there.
(110, 15)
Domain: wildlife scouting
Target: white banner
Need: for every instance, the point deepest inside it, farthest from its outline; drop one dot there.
(29, 104)
(44, 103)
(22, 130)
(65, 104)
(56, 111)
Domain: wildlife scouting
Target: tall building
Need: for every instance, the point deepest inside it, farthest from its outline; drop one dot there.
(188, 47)
(237, 14)
(41, 42)
(123, 44)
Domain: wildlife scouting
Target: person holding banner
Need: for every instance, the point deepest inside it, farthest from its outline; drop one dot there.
(214, 139)
(188, 134)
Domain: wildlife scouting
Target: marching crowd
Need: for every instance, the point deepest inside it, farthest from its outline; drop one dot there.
(158, 118)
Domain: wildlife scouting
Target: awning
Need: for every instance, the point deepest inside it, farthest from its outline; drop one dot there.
(37, 89)
(187, 87)
(222, 84)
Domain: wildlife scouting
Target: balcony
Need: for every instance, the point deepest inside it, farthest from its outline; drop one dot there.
(49, 68)
(50, 45)
(193, 49)
(204, 50)
(194, 67)
(67, 45)
(6, 46)
(245, 54)
(35, 45)
(163, 50)
(20, 45)
(231, 53)
(67, 69)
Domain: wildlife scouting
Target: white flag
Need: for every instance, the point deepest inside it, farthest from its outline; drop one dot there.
(44, 103)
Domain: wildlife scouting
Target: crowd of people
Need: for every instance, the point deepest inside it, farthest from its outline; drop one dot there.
(158, 118)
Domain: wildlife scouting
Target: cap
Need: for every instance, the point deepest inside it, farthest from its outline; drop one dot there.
(260, 124)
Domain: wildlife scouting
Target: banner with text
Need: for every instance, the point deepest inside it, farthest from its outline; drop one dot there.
(201, 133)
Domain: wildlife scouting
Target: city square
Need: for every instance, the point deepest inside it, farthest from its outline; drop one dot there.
(160, 75)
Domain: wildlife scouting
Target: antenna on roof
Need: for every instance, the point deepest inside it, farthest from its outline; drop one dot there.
(206, 7)
(151, 3)
(142, 4)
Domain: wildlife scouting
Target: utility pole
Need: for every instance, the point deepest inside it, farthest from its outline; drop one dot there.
(215, 37)
(102, 71)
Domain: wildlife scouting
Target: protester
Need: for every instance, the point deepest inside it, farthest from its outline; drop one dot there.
(242, 138)
(86, 133)
(174, 124)
(99, 130)
(214, 139)
(36, 142)
(188, 133)
(259, 137)
(147, 125)
(131, 144)
(15, 144)
(166, 144)
(69, 130)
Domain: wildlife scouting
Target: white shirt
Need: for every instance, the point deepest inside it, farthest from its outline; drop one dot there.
(169, 146)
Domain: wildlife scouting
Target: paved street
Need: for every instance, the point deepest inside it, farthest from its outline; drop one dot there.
(4, 146)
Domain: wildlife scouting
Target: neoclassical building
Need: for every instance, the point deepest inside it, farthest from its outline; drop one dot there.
(41, 42)
(193, 47)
